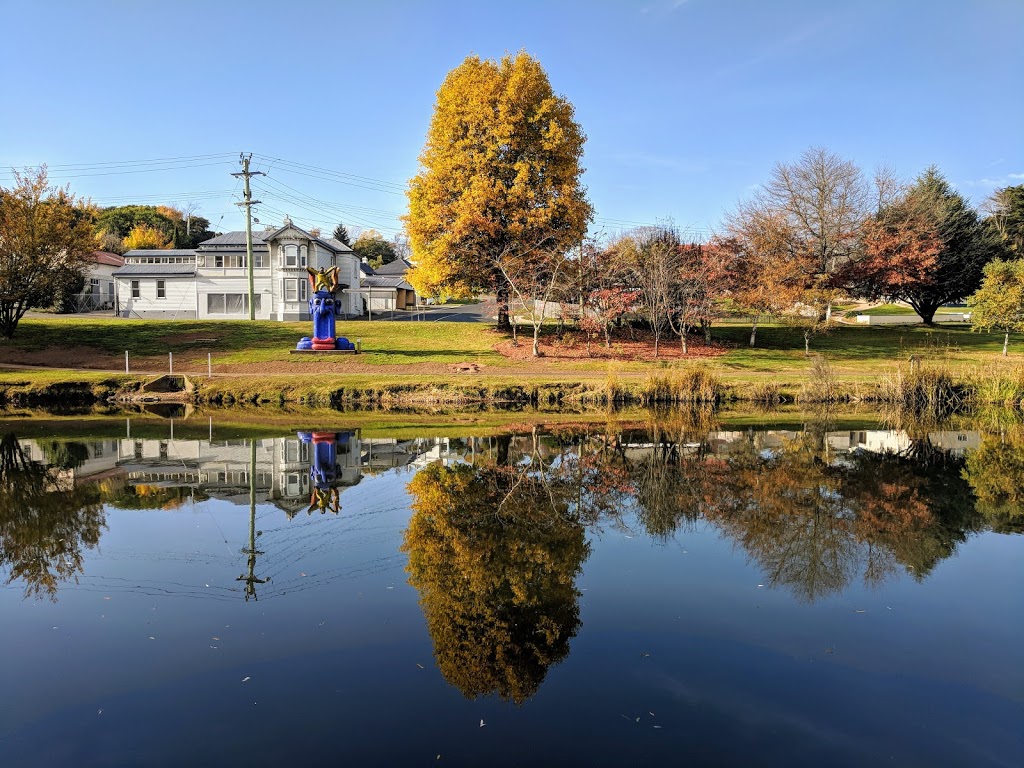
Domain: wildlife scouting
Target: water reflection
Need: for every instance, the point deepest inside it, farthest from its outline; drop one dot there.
(494, 555)
(816, 508)
(46, 520)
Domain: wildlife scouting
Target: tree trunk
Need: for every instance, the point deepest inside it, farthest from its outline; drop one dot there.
(927, 310)
(501, 295)
(515, 338)
(807, 343)
(1006, 343)
(682, 341)
(10, 314)
(657, 338)
(607, 337)
(706, 325)
(536, 339)
(753, 331)
(828, 312)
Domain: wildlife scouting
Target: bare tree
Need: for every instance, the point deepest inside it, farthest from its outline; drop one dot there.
(824, 199)
(653, 257)
(533, 278)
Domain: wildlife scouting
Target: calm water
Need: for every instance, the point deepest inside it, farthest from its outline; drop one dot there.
(687, 594)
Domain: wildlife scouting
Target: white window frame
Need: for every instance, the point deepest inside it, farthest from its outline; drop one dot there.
(257, 303)
(161, 289)
(136, 288)
(295, 290)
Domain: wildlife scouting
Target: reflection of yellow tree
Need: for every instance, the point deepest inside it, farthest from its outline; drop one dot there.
(995, 472)
(44, 525)
(494, 556)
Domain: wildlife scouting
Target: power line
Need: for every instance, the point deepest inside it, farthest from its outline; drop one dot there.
(125, 172)
(106, 163)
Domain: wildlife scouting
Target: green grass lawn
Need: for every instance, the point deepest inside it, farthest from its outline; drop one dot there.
(384, 343)
(856, 352)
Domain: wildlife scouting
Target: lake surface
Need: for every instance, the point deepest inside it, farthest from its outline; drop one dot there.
(687, 593)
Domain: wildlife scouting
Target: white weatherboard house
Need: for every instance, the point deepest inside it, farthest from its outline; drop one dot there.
(212, 282)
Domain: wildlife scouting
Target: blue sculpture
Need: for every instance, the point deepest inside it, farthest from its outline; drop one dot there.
(323, 308)
(323, 470)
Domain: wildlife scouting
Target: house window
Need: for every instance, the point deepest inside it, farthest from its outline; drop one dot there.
(302, 256)
(291, 256)
(295, 289)
(135, 289)
(94, 285)
(257, 261)
(230, 303)
(161, 290)
(229, 260)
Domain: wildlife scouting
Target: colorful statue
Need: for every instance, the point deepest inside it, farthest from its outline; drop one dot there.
(323, 308)
(323, 470)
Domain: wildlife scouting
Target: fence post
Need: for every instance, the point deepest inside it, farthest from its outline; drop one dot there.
(209, 365)
(126, 361)
(170, 362)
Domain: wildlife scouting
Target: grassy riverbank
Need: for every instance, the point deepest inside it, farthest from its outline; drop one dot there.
(408, 363)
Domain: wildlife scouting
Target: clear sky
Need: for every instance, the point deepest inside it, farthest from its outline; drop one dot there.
(687, 104)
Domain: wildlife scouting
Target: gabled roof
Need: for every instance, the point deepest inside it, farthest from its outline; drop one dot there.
(107, 258)
(336, 244)
(267, 236)
(366, 269)
(396, 267)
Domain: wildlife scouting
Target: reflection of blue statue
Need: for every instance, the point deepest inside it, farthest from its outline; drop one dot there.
(324, 469)
(323, 308)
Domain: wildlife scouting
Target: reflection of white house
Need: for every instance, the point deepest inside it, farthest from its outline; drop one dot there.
(212, 282)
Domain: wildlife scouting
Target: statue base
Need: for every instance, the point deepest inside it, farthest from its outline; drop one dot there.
(322, 352)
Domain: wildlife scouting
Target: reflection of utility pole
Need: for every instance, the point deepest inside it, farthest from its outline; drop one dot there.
(250, 578)
(248, 203)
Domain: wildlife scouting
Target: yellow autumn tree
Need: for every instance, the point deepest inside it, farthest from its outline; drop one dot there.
(144, 236)
(499, 179)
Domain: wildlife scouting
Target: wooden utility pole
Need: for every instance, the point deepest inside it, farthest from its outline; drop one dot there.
(248, 203)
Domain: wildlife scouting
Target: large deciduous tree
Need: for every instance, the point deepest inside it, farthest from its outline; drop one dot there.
(499, 178)
(999, 303)
(823, 200)
(928, 248)
(46, 238)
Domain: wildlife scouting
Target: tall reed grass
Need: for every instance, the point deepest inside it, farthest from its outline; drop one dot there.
(694, 384)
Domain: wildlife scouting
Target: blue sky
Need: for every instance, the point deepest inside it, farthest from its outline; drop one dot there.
(686, 105)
